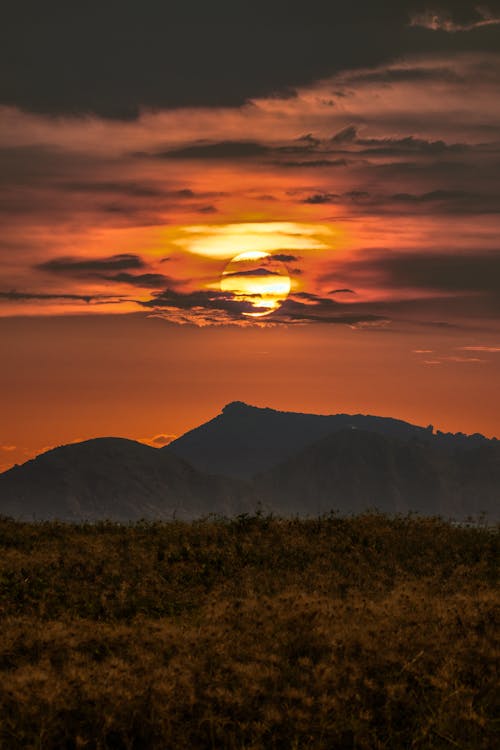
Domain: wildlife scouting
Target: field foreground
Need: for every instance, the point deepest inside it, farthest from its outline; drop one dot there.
(365, 632)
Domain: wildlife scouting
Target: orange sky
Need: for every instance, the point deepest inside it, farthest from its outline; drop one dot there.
(378, 189)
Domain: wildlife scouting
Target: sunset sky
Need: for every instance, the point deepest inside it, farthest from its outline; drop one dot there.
(351, 155)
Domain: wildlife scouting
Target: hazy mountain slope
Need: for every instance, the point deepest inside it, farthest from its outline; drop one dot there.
(352, 470)
(244, 440)
(393, 466)
(116, 479)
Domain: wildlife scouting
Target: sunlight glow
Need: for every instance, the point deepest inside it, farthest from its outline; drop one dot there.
(221, 241)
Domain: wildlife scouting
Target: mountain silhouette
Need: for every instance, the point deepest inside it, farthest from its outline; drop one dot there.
(245, 440)
(351, 471)
(289, 464)
(114, 478)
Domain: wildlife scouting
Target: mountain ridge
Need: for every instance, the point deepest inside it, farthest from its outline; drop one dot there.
(247, 457)
(243, 440)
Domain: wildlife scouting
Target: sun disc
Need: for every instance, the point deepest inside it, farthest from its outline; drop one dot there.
(258, 280)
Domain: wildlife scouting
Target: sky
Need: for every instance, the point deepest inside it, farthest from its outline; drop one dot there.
(206, 203)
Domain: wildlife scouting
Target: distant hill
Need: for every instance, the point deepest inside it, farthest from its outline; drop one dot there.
(114, 478)
(353, 470)
(292, 464)
(245, 440)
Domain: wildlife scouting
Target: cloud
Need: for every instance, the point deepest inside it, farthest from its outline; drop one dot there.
(114, 269)
(346, 135)
(70, 265)
(148, 280)
(311, 163)
(192, 54)
(480, 17)
(221, 150)
(158, 441)
(221, 308)
(15, 296)
(284, 258)
(463, 360)
(130, 189)
(251, 272)
(489, 349)
(321, 198)
(201, 302)
(439, 271)
(8, 448)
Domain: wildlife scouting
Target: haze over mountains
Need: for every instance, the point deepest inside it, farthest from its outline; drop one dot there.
(286, 463)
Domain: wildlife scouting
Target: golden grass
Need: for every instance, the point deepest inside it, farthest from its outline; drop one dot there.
(257, 633)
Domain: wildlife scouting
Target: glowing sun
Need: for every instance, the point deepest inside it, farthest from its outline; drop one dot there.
(258, 279)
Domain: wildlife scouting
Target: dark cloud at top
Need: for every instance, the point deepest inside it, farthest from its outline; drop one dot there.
(115, 59)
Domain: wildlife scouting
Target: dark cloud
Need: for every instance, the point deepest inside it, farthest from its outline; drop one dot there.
(317, 309)
(220, 150)
(148, 280)
(435, 195)
(409, 144)
(319, 198)
(130, 189)
(200, 301)
(114, 61)
(443, 201)
(406, 74)
(442, 19)
(346, 135)
(476, 272)
(70, 265)
(221, 307)
(475, 275)
(252, 272)
(285, 258)
(14, 296)
(312, 163)
(114, 269)
(349, 136)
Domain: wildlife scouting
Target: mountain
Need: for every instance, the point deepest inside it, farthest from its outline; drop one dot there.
(292, 464)
(118, 479)
(353, 470)
(245, 440)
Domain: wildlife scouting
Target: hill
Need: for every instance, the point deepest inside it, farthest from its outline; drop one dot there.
(245, 440)
(292, 464)
(118, 479)
(351, 471)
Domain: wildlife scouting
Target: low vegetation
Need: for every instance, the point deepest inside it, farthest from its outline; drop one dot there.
(363, 632)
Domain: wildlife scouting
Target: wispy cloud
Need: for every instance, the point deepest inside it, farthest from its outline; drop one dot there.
(439, 21)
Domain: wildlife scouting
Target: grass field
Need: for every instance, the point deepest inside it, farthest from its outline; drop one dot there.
(256, 633)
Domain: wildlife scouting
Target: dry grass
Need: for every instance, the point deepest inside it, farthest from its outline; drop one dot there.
(258, 633)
